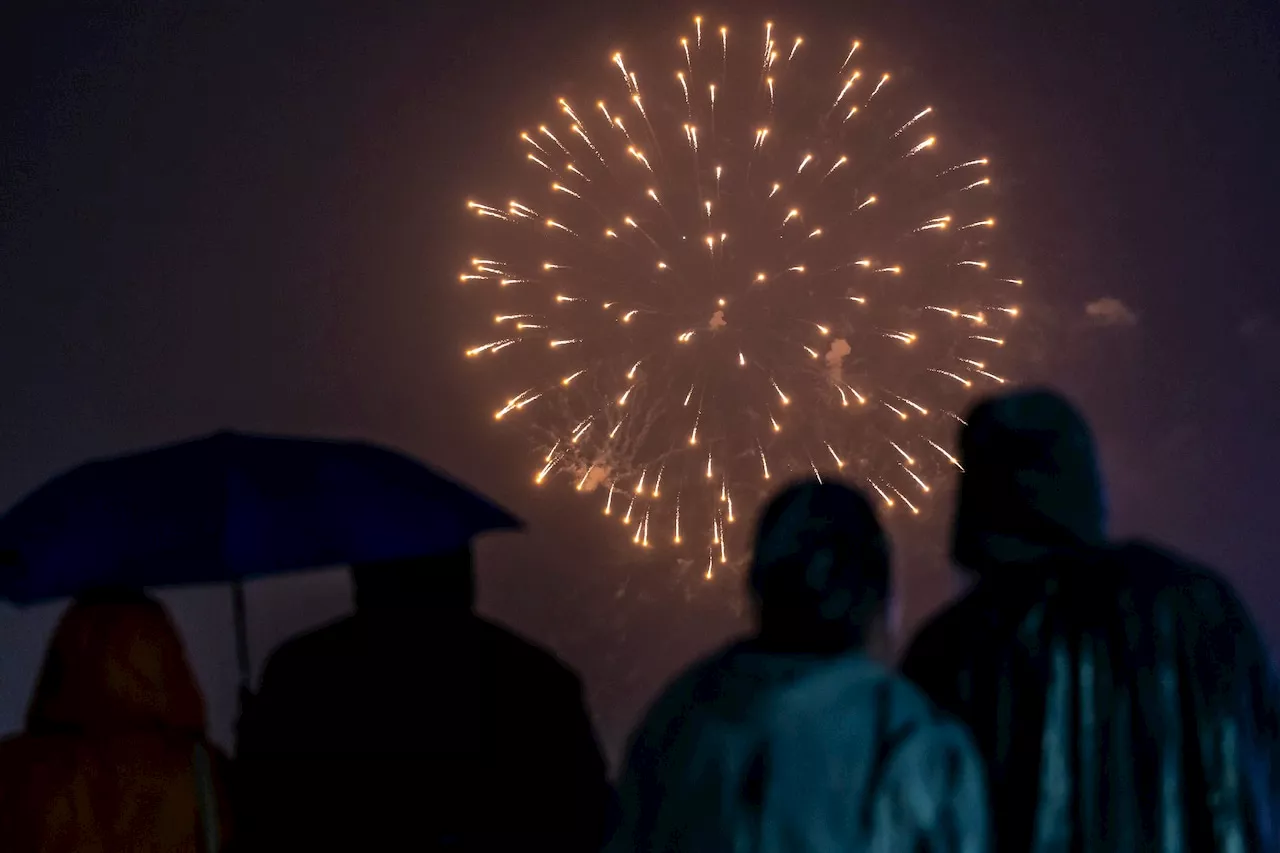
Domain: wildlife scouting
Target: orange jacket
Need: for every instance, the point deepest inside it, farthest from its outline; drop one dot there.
(114, 757)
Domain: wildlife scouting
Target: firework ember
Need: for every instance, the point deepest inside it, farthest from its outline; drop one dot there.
(759, 263)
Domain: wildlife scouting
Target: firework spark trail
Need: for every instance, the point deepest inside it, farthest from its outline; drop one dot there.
(856, 44)
(757, 279)
(924, 112)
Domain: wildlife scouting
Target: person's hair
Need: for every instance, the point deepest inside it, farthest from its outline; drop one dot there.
(821, 569)
(442, 582)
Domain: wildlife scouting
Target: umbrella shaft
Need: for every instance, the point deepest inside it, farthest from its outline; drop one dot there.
(242, 634)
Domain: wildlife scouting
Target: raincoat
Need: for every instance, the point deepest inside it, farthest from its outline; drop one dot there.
(114, 757)
(1122, 697)
(768, 752)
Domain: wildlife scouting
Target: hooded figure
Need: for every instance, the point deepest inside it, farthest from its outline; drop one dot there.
(797, 739)
(114, 757)
(1122, 698)
(417, 725)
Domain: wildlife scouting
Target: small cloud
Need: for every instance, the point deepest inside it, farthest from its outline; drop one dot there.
(1260, 333)
(718, 321)
(835, 358)
(1109, 311)
(1259, 329)
(592, 478)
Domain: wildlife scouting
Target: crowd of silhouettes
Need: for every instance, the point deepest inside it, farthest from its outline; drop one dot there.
(1083, 696)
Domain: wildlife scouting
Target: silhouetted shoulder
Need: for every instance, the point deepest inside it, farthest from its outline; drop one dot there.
(1169, 570)
(1206, 610)
(1197, 598)
(319, 647)
(353, 641)
(523, 657)
(934, 646)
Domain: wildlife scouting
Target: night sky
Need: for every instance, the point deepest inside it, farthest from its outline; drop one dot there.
(223, 214)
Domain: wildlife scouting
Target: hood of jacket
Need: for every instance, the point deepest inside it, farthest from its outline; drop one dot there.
(116, 666)
(1032, 485)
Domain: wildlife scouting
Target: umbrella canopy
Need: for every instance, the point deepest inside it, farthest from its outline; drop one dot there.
(228, 507)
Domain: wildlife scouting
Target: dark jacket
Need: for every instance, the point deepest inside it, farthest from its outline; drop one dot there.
(420, 730)
(1122, 698)
(114, 757)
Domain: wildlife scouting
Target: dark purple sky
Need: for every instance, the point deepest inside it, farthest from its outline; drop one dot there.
(224, 214)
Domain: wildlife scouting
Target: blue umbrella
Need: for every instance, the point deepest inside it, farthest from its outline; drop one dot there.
(228, 507)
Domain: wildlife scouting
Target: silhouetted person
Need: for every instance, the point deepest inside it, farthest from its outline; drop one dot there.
(1122, 698)
(114, 757)
(796, 739)
(417, 725)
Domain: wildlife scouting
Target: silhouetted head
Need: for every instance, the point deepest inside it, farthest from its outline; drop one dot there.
(441, 582)
(1031, 484)
(116, 663)
(820, 574)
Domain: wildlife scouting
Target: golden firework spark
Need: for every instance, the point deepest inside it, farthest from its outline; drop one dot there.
(840, 250)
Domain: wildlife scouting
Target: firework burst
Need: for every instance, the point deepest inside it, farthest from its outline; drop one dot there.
(761, 263)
